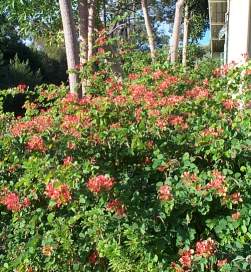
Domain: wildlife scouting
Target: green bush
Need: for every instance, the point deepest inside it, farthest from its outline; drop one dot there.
(149, 174)
(18, 72)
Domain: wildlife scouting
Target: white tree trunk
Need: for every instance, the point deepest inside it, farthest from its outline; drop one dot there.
(83, 37)
(91, 28)
(185, 36)
(71, 44)
(176, 30)
(148, 29)
(83, 29)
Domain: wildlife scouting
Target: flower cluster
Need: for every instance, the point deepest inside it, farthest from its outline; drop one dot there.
(100, 183)
(165, 193)
(171, 100)
(186, 258)
(229, 104)
(167, 83)
(116, 206)
(217, 183)
(38, 124)
(189, 177)
(236, 215)
(211, 132)
(70, 125)
(236, 198)
(60, 194)
(224, 69)
(197, 93)
(12, 202)
(22, 87)
(177, 120)
(221, 263)
(68, 160)
(205, 248)
(36, 143)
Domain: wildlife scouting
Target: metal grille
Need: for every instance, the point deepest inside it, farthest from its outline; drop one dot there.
(217, 12)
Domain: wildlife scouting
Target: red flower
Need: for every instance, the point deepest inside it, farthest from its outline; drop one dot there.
(65, 195)
(69, 99)
(138, 92)
(138, 114)
(177, 120)
(120, 100)
(236, 198)
(165, 193)
(162, 168)
(101, 50)
(197, 92)
(168, 82)
(212, 132)
(150, 144)
(93, 257)
(171, 100)
(186, 258)
(26, 202)
(70, 125)
(68, 160)
(71, 145)
(206, 82)
(100, 183)
(205, 248)
(36, 143)
(116, 206)
(22, 87)
(101, 41)
(158, 74)
(12, 203)
(60, 194)
(236, 215)
(176, 267)
(78, 66)
(218, 183)
(189, 177)
(133, 76)
(223, 70)
(147, 160)
(230, 104)
(161, 123)
(51, 192)
(220, 263)
(37, 124)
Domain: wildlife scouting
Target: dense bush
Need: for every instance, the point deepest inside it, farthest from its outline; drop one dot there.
(19, 62)
(18, 72)
(152, 174)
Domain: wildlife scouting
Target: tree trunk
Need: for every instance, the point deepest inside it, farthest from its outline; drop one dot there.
(71, 45)
(83, 29)
(148, 29)
(83, 37)
(104, 13)
(91, 28)
(185, 36)
(176, 30)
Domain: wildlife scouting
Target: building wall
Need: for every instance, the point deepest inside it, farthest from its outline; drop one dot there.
(239, 30)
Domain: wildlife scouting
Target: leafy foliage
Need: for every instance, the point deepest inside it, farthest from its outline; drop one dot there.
(149, 174)
(18, 72)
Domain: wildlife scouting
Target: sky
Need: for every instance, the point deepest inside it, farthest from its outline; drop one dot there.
(206, 39)
(165, 28)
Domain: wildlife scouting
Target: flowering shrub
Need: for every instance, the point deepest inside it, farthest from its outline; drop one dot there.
(149, 174)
